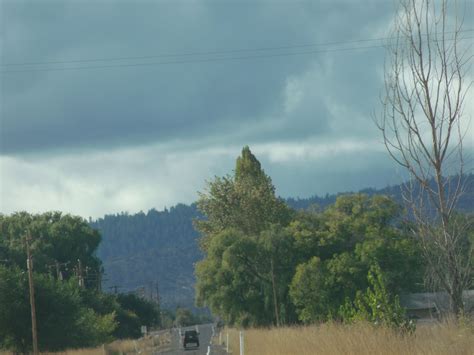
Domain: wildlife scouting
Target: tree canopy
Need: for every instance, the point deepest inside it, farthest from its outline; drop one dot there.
(267, 264)
(60, 244)
(245, 201)
(71, 312)
(341, 244)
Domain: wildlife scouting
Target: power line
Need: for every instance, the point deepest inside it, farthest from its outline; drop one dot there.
(146, 254)
(190, 61)
(187, 61)
(216, 52)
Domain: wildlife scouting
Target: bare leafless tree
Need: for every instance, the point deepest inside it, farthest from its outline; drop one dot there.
(424, 129)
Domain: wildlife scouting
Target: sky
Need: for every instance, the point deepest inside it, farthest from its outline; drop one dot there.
(122, 106)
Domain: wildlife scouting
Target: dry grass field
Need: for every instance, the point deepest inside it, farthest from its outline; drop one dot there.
(327, 339)
(144, 346)
(363, 339)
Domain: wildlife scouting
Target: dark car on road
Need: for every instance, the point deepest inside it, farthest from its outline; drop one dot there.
(191, 337)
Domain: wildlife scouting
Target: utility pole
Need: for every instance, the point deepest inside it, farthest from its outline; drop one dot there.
(157, 294)
(29, 264)
(158, 303)
(59, 275)
(275, 300)
(140, 291)
(79, 271)
(99, 281)
(115, 288)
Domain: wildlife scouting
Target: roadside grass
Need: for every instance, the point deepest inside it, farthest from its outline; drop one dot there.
(87, 351)
(145, 346)
(331, 338)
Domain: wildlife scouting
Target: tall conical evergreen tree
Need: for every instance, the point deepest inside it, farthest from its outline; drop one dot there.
(248, 167)
(237, 278)
(245, 201)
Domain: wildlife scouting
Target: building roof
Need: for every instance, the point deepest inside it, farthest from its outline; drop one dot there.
(437, 300)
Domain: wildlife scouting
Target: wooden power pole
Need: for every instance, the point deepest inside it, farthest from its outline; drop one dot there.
(79, 273)
(29, 264)
(275, 300)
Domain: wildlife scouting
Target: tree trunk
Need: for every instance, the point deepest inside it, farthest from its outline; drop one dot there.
(275, 301)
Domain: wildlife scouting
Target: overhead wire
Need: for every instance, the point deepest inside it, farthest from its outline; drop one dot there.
(220, 58)
(215, 52)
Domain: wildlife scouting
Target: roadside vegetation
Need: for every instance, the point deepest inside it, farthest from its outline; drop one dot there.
(268, 265)
(71, 311)
(361, 338)
(147, 345)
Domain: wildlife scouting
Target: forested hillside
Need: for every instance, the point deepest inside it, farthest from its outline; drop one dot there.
(466, 203)
(160, 247)
(156, 249)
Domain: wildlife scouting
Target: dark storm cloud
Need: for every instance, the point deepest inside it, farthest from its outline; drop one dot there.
(231, 101)
(106, 140)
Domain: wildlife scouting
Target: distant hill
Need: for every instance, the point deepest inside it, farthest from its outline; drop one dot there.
(161, 246)
(141, 249)
(466, 203)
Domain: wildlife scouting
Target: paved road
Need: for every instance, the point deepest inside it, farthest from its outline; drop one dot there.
(205, 335)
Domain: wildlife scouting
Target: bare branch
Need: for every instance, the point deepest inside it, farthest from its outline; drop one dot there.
(421, 129)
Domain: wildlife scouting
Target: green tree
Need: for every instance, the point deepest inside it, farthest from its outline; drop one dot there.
(167, 318)
(245, 279)
(229, 281)
(308, 291)
(278, 263)
(345, 240)
(244, 202)
(184, 317)
(67, 315)
(265, 264)
(63, 320)
(148, 312)
(245, 275)
(57, 239)
(131, 311)
(377, 305)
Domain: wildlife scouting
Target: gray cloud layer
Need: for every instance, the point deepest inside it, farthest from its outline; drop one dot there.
(125, 106)
(129, 138)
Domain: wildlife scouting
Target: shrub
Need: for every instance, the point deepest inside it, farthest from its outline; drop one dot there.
(377, 306)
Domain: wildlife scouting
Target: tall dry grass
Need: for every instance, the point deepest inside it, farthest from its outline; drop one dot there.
(329, 339)
(86, 351)
(145, 346)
